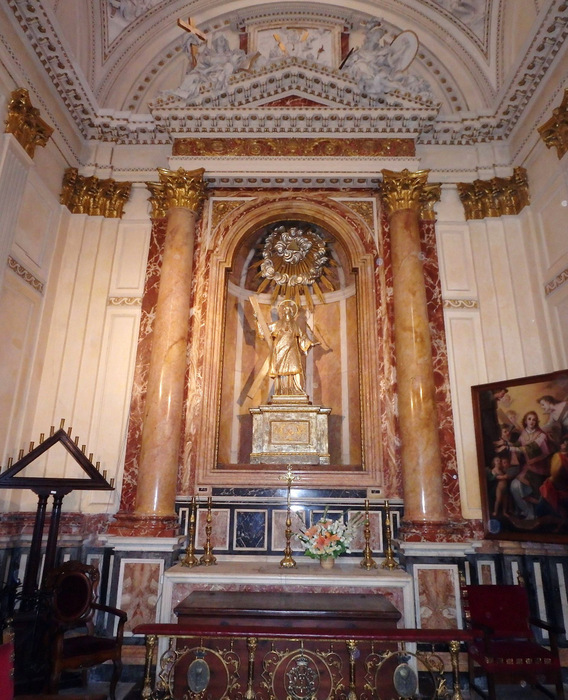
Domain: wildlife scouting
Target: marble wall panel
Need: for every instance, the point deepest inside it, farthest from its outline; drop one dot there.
(437, 596)
(34, 241)
(251, 530)
(220, 523)
(278, 541)
(486, 572)
(138, 590)
(376, 535)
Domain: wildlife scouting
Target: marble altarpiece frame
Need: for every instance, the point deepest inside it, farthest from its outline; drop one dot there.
(224, 235)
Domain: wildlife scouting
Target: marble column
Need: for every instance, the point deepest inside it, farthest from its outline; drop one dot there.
(179, 195)
(404, 195)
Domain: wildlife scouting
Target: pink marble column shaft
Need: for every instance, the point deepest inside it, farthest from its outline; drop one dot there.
(420, 446)
(157, 475)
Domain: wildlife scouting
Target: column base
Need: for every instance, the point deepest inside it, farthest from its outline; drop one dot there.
(137, 525)
(438, 530)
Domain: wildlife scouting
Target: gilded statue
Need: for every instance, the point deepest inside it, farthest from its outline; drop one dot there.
(288, 342)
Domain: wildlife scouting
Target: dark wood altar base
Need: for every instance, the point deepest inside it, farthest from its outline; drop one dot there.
(319, 613)
(287, 610)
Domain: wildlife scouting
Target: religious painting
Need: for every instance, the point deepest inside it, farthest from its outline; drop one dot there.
(521, 430)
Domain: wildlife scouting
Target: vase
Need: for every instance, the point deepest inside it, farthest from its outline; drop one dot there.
(327, 562)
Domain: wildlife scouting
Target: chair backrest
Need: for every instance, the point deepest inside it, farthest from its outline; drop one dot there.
(503, 608)
(73, 590)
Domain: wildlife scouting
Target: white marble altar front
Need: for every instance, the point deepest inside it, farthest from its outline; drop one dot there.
(264, 574)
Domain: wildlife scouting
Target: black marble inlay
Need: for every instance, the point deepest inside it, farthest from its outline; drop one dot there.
(250, 529)
(281, 493)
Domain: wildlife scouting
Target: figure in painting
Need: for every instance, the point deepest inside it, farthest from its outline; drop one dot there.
(288, 343)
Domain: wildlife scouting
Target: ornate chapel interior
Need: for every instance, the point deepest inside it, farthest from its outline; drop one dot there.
(255, 254)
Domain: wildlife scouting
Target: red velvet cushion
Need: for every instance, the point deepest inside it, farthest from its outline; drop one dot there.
(6, 671)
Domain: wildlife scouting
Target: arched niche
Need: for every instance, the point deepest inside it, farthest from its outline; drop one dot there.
(218, 451)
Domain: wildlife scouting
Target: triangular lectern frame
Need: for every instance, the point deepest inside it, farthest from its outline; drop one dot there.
(44, 487)
(94, 482)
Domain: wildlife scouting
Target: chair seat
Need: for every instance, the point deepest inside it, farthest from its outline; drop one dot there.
(497, 656)
(87, 646)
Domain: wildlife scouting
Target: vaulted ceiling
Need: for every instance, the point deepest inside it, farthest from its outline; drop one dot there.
(116, 65)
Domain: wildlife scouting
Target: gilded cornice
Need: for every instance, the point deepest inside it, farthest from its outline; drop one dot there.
(92, 196)
(24, 122)
(295, 146)
(500, 196)
(554, 132)
(177, 188)
(409, 190)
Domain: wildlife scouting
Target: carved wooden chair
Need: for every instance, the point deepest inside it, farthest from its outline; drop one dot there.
(73, 643)
(505, 649)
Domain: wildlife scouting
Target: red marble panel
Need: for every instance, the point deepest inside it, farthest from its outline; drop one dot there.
(140, 590)
(437, 596)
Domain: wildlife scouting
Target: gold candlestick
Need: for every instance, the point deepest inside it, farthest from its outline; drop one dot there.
(389, 562)
(190, 559)
(367, 562)
(288, 561)
(208, 558)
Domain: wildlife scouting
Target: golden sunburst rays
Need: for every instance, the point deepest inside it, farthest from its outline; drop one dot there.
(295, 260)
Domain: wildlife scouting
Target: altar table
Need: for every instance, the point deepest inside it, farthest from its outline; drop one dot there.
(276, 612)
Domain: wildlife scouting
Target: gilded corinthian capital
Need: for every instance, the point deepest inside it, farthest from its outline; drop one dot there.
(500, 196)
(176, 188)
(406, 190)
(554, 132)
(92, 196)
(24, 122)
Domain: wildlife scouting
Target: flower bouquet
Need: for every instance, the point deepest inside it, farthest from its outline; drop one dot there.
(327, 539)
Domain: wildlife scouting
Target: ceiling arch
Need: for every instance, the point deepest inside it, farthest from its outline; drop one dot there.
(154, 39)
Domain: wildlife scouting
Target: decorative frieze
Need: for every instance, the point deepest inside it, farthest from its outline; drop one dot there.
(92, 196)
(461, 304)
(554, 132)
(26, 275)
(500, 196)
(24, 122)
(124, 301)
(290, 147)
(177, 188)
(560, 280)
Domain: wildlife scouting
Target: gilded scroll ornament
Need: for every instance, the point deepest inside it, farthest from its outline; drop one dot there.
(500, 196)
(554, 132)
(92, 196)
(24, 122)
(404, 190)
(177, 188)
